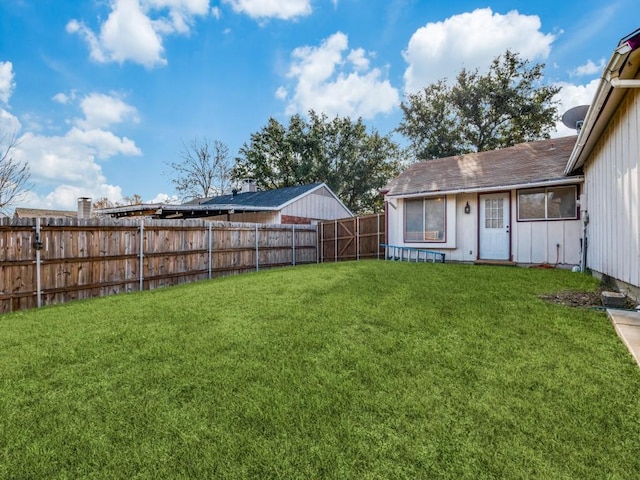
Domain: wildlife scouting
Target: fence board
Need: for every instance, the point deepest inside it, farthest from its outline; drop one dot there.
(97, 257)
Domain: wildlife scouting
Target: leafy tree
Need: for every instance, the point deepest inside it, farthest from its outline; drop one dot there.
(354, 163)
(203, 170)
(14, 175)
(504, 107)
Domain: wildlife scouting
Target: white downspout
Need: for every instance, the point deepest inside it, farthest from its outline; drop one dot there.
(628, 83)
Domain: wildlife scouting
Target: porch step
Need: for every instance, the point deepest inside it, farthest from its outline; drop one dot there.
(503, 263)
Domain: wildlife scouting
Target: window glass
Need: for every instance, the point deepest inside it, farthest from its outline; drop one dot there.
(413, 221)
(434, 219)
(531, 204)
(561, 202)
(547, 203)
(425, 220)
(494, 213)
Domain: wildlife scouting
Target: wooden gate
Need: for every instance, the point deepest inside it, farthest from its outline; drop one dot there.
(352, 238)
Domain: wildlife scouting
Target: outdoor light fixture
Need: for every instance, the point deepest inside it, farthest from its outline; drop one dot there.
(467, 208)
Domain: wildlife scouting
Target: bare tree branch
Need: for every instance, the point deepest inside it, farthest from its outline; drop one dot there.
(204, 169)
(14, 175)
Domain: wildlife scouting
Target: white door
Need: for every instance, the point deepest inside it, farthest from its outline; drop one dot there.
(494, 226)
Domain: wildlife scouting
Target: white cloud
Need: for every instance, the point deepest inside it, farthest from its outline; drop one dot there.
(8, 122)
(64, 167)
(62, 98)
(127, 34)
(282, 9)
(215, 12)
(181, 13)
(164, 198)
(102, 110)
(71, 158)
(68, 164)
(281, 93)
(471, 40)
(359, 59)
(589, 68)
(573, 96)
(102, 143)
(130, 33)
(6, 81)
(65, 197)
(333, 80)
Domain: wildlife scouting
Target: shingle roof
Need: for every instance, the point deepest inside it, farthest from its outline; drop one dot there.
(530, 162)
(270, 198)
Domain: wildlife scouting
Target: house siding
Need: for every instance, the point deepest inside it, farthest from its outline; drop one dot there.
(318, 205)
(546, 242)
(612, 178)
(267, 218)
(531, 242)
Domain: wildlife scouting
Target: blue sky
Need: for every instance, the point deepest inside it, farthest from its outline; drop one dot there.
(102, 93)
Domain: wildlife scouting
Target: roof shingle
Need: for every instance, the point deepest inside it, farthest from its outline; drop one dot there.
(530, 162)
(270, 198)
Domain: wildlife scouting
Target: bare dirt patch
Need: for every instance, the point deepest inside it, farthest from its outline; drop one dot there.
(572, 298)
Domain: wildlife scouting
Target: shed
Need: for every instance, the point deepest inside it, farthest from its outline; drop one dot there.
(512, 205)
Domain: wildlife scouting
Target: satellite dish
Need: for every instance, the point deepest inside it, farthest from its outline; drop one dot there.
(574, 117)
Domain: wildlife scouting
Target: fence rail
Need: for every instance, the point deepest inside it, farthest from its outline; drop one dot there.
(352, 238)
(48, 261)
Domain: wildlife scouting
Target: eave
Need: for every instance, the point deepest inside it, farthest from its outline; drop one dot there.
(179, 211)
(619, 75)
(494, 188)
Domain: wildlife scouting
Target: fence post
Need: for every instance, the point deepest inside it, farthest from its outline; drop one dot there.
(210, 248)
(38, 247)
(321, 242)
(357, 238)
(141, 266)
(336, 241)
(378, 237)
(257, 252)
(293, 244)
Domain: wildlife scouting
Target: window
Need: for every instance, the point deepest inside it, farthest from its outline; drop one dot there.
(424, 220)
(551, 203)
(494, 213)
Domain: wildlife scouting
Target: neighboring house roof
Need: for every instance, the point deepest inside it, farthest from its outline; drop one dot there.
(526, 164)
(275, 199)
(619, 74)
(43, 213)
(267, 201)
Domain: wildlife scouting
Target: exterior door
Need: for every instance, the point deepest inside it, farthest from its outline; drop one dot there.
(494, 226)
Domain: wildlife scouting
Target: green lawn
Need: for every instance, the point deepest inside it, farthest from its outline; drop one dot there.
(352, 370)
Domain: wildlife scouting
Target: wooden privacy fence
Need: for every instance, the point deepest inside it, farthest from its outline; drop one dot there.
(352, 238)
(48, 261)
